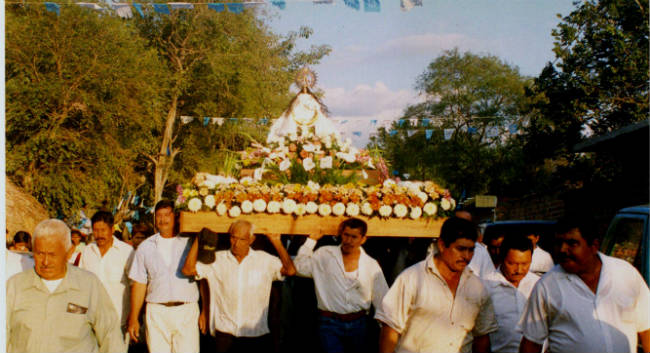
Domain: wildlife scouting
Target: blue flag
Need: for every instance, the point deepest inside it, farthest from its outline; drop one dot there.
(344, 122)
(281, 4)
(373, 122)
(401, 122)
(263, 121)
(136, 215)
(138, 7)
(129, 227)
(161, 8)
(216, 7)
(371, 5)
(356, 133)
(428, 133)
(471, 130)
(52, 7)
(513, 128)
(393, 132)
(353, 4)
(425, 122)
(235, 7)
(206, 121)
(233, 120)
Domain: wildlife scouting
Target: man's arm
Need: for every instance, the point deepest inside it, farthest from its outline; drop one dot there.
(303, 260)
(527, 346)
(288, 268)
(138, 293)
(644, 338)
(205, 306)
(189, 268)
(481, 344)
(388, 338)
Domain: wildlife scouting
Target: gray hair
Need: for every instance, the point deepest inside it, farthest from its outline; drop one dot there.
(241, 223)
(53, 228)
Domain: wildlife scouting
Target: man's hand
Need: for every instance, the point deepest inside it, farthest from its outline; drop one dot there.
(317, 235)
(134, 329)
(203, 322)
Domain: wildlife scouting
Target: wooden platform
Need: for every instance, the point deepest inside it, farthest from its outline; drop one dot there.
(285, 224)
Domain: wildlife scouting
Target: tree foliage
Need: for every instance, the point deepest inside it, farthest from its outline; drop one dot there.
(473, 95)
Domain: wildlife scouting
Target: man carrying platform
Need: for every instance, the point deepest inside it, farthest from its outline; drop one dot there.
(347, 282)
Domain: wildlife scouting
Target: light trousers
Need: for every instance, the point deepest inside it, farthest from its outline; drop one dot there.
(172, 329)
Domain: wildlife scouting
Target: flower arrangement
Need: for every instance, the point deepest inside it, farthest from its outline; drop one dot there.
(408, 200)
(297, 159)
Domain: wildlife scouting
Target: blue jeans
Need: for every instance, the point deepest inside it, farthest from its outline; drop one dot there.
(338, 336)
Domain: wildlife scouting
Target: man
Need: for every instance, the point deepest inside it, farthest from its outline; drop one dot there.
(239, 283)
(110, 259)
(439, 304)
(542, 260)
(493, 243)
(347, 282)
(481, 263)
(17, 262)
(172, 312)
(57, 307)
(590, 303)
(509, 287)
(76, 237)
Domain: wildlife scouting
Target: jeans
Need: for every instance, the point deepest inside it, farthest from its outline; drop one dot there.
(338, 336)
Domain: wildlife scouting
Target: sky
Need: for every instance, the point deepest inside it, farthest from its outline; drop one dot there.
(377, 56)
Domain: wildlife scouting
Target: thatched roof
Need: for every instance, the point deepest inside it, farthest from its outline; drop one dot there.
(24, 212)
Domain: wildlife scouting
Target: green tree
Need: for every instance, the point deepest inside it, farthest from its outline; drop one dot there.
(219, 64)
(81, 98)
(477, 97)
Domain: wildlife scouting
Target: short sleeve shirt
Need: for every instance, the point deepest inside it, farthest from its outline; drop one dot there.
(421, 308)
(240, 292)
(563, 309)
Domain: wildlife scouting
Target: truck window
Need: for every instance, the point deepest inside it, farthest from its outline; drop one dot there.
(626, 233)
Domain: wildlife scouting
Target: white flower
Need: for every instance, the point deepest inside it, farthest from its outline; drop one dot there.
(300, 209)
(311, 207)
(293, 136)
(352, 209)
(194, 204)
(366, 208)
(324, 210)
(430, 208)
(453, 203)
(246, 181)
(257, 173)
(288, 206)
(328, 142)
(326, 162)
(400, 210)
(445, 204)
(247, 206)
(308, 164)
(348, 157)
(313, 186)
(309, 147)
(222, 209)
(284, 165)
(209, 201)
(338, 209)
(385, 210)
(273, 207)
(364, 174)
(416, 212)
(389, 182)
(370, 165)
(234, 211)
(423, 196)
(259, 205)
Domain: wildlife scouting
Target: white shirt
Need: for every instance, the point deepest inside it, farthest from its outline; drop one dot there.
(335, 291)
(240, 292)
(542, 261)
(574, 319)
(422, 309)
(165, 282)
(508, 302)
(481, 262)
(112, 270)
(17, 262)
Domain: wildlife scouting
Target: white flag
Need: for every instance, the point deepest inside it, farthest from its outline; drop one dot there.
(218, 121)
(186, 119)
(448, 133)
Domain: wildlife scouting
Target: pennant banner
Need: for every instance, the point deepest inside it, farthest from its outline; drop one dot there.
(492, 131)
(161, 8)
(513, 128)
(373, 122)
(414, 122)
(407, 5)
(122, 10)
(393, 132)
(217, 7)
(352, 3)
(90, 5)
(52, 7)
(356, 133)
(138, 7)
(281, 4)
(235, 7)
(206, 121)
(428, 133)
(181, 5)
(186, 119)
(371, 6)
(471, 130)
(448, 133)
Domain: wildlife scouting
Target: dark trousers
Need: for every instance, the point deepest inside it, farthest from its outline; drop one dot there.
(339, 336)
(227, 343)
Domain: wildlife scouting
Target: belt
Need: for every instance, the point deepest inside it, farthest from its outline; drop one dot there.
(343, 317)
(172, 303)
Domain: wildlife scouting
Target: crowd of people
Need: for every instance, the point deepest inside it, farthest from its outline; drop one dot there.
(162, 292)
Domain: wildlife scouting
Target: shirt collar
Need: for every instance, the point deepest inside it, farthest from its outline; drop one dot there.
(114, 245)
(70, 281)
(431, 266)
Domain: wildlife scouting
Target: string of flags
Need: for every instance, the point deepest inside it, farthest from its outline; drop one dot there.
(124, 9)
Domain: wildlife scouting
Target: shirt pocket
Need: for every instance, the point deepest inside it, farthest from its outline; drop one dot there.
(625, 305)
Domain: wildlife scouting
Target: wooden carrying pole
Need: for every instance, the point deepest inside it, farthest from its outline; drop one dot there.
(191, 222)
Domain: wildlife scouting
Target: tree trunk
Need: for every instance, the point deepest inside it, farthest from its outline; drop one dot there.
(165, 157)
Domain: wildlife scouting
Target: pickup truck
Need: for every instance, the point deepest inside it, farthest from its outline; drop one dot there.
(627, 238)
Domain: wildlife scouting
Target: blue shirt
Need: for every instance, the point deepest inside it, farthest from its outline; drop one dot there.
(165, 283)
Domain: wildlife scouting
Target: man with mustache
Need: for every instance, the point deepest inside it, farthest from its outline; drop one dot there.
(509, 287)
(439, 304)
(348, 281)
(591, 302)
